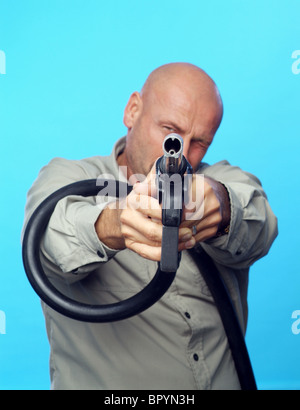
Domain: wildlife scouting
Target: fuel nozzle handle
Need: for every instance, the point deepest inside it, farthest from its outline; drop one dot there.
(170, 170)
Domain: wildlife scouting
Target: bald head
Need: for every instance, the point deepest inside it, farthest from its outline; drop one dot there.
(186, 77)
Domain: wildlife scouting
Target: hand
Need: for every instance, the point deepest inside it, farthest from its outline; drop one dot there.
(141, 222)
(136, 222)
(211, 210)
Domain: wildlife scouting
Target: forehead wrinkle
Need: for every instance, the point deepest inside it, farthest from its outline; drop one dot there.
(173, 106)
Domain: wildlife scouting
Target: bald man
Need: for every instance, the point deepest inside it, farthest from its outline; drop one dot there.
(178, 98)
(100, 252)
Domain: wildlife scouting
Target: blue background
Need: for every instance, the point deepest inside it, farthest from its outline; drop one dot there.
(70, 68)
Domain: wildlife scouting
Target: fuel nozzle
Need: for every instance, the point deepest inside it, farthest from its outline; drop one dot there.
(171, 162)
(170, 170)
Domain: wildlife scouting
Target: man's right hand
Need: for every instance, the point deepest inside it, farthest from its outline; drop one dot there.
(136, 223)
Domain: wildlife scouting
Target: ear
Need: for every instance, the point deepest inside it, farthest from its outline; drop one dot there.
(132, 109)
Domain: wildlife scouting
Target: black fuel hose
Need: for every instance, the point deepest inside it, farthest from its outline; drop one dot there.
(157, 287)
(33, 235)
(231, 324)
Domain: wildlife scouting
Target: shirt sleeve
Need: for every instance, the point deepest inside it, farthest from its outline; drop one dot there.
(70, 241)
(253, 225)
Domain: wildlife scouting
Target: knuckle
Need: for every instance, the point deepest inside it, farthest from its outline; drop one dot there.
(218, 218)
(152, 235)
(123, 217)
(215, 203)
(208, 188)
(124, 232)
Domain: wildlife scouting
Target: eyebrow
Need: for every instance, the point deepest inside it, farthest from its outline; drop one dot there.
(203, 141)
(173, 125)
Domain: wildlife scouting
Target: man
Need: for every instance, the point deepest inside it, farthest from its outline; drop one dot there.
(102, 253)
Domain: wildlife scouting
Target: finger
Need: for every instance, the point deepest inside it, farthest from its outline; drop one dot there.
(136, 227)
(211, 221)
(194, 214)
(188, 224)
(187, 245)
(184, 234)
(152, 237)
(146, 251)
(147, 187)
(208, 227)
(131, 236)
(156, 220)
(145, 204)
(205, 234)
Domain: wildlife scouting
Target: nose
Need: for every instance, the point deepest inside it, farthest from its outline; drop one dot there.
(188, 152)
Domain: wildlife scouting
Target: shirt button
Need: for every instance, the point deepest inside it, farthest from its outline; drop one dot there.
(195, 357)
(100, 254)
(187, 315)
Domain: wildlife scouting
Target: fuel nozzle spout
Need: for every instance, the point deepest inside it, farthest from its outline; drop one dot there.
(172, 159)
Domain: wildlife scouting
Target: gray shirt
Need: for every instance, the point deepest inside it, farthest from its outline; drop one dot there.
(179, 343)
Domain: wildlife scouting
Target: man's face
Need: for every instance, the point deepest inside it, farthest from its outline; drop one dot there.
(162, 112)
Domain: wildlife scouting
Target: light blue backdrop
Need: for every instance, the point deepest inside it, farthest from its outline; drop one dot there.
(70, 67)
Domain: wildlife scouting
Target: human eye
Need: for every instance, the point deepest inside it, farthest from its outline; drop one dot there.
(200, 144)
(168, 128)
